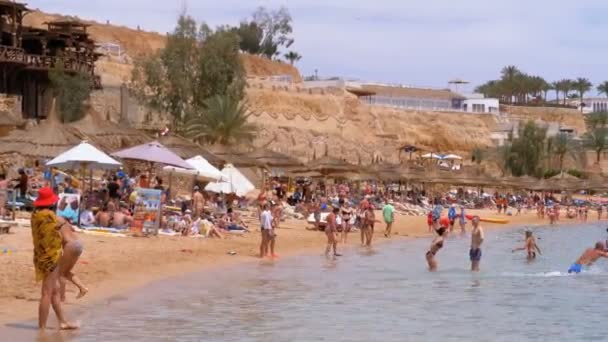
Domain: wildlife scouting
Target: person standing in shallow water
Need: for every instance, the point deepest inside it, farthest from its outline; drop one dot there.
(330, 231)
(462, 220)
(47, 253)
(436, 245)
(477, 237)
(530, 246)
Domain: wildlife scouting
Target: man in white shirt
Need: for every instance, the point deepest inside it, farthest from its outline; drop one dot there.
(268, 235)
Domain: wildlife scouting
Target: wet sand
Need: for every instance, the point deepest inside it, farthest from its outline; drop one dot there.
(111, 266)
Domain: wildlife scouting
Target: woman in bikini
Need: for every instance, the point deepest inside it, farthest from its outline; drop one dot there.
(346, 212)
(72, 249)
(436, 245)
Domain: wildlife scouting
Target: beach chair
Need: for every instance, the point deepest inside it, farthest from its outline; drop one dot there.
(5, 228)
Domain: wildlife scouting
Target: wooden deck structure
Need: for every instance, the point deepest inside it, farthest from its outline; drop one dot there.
(27, 55)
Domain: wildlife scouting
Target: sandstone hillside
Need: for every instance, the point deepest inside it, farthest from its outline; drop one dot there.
(568, 117)
(303, 122)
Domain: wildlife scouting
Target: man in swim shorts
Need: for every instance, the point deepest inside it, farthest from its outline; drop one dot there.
(589, 257)
(476, 241)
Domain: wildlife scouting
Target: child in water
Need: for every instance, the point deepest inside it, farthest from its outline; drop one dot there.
(530, 246)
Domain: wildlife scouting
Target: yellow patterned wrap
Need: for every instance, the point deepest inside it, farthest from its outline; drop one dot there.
(47, 242)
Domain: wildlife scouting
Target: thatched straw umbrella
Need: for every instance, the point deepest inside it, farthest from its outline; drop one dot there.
(188, 149)
(564, 182)
(595, 182)
(44, 141)
(269, 158)
(330, 166)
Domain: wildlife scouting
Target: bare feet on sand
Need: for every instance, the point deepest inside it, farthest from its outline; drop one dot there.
(68, 326)
(82, 293)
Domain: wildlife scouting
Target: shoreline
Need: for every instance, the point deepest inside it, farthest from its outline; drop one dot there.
(127, 264)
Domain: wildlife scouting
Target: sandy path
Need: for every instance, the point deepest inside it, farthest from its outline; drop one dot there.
(111, 266)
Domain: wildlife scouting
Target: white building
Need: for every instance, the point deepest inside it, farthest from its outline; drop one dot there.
(477, 103)
(591, 104)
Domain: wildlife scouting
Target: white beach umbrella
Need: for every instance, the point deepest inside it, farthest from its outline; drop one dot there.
(84, 155)
(235, 182)
(432, 156)
(202, 169)
(452, 157)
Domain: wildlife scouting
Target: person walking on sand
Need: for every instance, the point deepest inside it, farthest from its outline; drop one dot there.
(72, 249)
(452, 216)
(436, 245)
(198, 202)
(388, 213)
(429, 220)
(330, 232)
(477, 237)
(589, 257)
(437, 209)
(600, 209)
(47, 253)
(530, 246)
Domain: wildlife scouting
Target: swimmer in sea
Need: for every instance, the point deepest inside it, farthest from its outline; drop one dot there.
(589, 257)
(530, 246)
(435, 247)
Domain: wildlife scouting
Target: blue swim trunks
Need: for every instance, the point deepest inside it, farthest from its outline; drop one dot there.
(475, 254)
(575, 268)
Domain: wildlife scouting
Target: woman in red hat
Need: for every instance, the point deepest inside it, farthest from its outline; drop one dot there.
(47, 252)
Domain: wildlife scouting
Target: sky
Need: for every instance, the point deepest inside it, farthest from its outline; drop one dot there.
(412, 42)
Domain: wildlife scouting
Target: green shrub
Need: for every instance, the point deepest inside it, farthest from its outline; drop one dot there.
(550, 173)
(577, 173)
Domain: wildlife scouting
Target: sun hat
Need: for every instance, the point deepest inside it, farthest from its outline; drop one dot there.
(46, 197)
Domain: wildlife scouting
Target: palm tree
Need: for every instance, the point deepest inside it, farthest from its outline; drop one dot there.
(557, 86)
(562, 144)
(596, 120)
(597, 140)
(224, 120)
(567, 86)
(509, 73)
(292, 57)
(582, 85)
(603, 88)
(545, 87)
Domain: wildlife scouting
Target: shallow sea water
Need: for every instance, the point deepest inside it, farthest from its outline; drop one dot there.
(384, 294)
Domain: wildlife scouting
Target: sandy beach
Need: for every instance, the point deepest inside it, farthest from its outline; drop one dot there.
(111, 265)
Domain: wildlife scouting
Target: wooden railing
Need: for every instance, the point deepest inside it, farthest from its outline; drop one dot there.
(11, 54)
(70, 63)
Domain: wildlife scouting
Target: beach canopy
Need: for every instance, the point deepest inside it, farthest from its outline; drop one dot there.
(235, 182)
(432, 156)
(201, 168)
(329, 165)
(452, 157)
(153, 152)
(84, 155)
